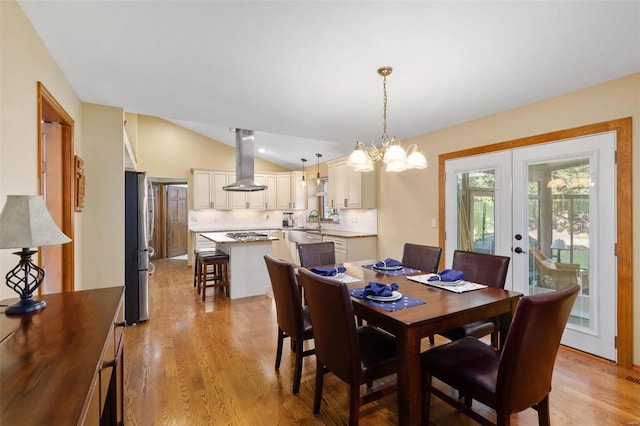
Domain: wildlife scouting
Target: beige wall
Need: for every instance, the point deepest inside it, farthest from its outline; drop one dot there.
(103, 233)
(169, 151)
(24, 60)
(409, 200)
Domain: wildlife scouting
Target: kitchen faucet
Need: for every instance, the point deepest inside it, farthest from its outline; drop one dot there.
(314, 215)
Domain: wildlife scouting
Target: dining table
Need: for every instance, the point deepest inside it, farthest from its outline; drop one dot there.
(442, 310)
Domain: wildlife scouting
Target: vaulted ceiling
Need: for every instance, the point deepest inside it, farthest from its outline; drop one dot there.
(303, 74)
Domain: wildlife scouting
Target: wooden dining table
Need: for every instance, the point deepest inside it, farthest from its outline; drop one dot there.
(442, 310)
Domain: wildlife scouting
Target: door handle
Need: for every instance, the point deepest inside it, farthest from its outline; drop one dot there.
(519, 250)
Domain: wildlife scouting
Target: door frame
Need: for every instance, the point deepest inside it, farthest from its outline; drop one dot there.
(50, 110)
(624, 237)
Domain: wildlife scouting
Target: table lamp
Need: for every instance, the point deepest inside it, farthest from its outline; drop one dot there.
(559, 244)
(25, 222)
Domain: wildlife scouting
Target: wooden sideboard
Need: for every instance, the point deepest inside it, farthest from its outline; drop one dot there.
(64, 364)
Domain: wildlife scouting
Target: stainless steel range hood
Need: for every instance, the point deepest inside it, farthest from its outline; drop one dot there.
(244, 164)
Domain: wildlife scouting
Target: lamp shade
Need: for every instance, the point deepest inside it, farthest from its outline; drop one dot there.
(25, 222)
(559, 244)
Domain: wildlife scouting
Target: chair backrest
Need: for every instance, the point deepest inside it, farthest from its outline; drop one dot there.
(530, 349)
(286, 294)
(316, 254)
(425, 258)
(482, 268)
(334, 328)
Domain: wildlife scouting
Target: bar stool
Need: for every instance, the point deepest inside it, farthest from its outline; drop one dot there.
(196, 267)
(219, 277)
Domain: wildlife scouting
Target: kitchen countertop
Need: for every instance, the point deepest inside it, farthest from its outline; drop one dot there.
(335, 232)
(221, 237)
(327, 232)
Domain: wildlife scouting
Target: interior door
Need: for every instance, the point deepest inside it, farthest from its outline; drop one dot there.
(177, 220)
(551, 207)
(52, 184)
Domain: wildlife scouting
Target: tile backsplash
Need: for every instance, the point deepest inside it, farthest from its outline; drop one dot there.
(356, 220)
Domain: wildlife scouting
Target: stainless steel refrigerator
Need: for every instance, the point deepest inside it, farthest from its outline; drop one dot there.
(136, 250)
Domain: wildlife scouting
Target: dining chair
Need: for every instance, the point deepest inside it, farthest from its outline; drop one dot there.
(356, 355)
(509, 381)
(316, 254)
(425, 258)
(482, 268)
(293, 318)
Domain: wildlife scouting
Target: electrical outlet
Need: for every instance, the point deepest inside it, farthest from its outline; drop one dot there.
(434, 222)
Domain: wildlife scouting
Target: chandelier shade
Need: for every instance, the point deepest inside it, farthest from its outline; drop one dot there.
(391, 153)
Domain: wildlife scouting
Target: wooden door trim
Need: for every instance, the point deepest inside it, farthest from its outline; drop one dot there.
(624, 199)
(50, 110)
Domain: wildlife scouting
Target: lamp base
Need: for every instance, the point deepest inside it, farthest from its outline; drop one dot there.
(25, 305)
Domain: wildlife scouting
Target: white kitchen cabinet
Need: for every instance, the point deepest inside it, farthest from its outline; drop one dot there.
(207, 189)
(353, 249)
(290, 195)
(270, 192)
(202, 243)
(350, 189)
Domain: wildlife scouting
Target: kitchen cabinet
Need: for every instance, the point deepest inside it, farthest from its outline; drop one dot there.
(208, 192)
(350, 189)
(207, 189)
(290, 195)
(353, 249)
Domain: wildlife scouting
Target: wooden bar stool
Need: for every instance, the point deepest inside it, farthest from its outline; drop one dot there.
(196, 267)
(218, 277)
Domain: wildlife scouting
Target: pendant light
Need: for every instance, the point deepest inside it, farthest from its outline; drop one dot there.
(304, 182)
(318, 180)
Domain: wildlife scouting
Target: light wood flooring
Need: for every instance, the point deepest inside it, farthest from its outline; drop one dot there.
(212, 362)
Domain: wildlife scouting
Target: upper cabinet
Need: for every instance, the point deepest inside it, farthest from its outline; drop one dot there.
(350, 189)
(207, 189)
(290, 194)
(208, 192)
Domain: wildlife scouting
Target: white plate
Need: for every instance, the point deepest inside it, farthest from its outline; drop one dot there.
(388, 268)
(396, 295)
(452, 283)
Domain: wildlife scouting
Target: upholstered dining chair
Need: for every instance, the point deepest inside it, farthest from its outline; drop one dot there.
(482, 268)
(425, 258)
(316, 254)
(293, 318)
(356, 355)
(509, 381)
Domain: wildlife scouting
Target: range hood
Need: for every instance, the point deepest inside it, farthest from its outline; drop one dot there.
(244, 164)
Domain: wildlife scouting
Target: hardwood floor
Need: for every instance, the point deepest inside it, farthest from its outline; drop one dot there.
(212, 362)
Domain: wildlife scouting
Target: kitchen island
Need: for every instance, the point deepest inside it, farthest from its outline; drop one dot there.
(248, 274)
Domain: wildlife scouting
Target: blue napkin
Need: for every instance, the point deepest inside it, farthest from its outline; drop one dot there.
(447, 275)
(328, 271)
(388, 263)
(379, 289)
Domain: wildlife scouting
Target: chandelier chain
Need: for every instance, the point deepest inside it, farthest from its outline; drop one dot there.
(385, 137)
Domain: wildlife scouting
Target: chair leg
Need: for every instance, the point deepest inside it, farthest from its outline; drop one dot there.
(432, 340)
(298, 370)
(543, 412)
(279, 349)
(317, 396)
(354, 404)
(426, 397)
(495, 340)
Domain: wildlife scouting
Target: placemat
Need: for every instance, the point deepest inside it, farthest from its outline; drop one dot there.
(396, 305)
(404, 271)
(347, 279)
(465, 286)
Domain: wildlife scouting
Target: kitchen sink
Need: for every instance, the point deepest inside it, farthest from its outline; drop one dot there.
(304, 236)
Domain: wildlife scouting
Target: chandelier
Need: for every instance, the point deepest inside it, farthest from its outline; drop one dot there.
(389, 151)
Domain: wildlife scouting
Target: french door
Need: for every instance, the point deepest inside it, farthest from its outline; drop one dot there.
(550, 207)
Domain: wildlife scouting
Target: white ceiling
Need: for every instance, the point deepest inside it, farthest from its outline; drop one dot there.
(303, 74)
